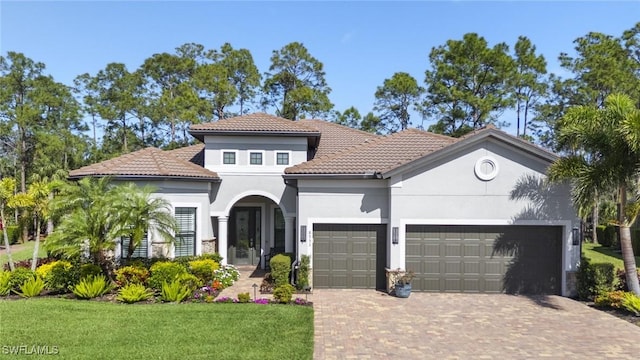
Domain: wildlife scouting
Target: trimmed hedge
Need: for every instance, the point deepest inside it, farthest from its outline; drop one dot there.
(607, 235)
(280, 269)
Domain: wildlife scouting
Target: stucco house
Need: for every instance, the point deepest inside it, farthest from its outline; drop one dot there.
(466, 215)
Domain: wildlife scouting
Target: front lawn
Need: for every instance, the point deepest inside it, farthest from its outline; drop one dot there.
(21, 252)
(103, 330)
(601, 254)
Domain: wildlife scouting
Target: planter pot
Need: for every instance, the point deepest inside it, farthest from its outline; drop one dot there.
(403, 290)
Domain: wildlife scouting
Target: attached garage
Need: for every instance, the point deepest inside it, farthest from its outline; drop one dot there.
(349, 256)
(485, 259)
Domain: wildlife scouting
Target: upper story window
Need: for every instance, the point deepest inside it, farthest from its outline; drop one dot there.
(282, 158)
(255, 158)
(229, 157)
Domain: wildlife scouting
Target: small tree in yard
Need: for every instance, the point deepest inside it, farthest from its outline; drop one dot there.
(606, 159)
(7, 190)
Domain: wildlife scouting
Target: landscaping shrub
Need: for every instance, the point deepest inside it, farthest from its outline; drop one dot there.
(594, 279)
(203, 269)
(164, 271)
(622, 280)
(607, 235)
(189, 280)
(87, 270)
(13, 234)
(280, 268)
(92, 287)
(174, 292)
(303, 273)
(32, 287)
(5, 286)
(58, 275)
(631, 303)
(27, 263)
(244, 298)
(283, 293)
(184, 260)
(19, 276)
(612, 299)
(134, 292)
(205, 294)
(132, 275)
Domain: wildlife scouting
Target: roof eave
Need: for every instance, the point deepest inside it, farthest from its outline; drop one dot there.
(355, 176)
(200, 134)
(147, 177)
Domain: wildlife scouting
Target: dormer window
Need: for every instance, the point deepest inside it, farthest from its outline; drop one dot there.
(255, 158)
(282, 158)
(229, 157)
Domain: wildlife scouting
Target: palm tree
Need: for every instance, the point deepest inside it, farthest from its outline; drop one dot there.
(7, 191)
(88, 220)
(608, 162)
(143, 213)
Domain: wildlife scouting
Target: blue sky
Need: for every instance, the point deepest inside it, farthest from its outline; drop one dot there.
(360, 43)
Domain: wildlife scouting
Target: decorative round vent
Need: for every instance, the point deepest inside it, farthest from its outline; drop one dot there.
(486, 168)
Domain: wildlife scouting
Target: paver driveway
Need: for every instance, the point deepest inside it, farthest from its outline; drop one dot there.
(365, 324)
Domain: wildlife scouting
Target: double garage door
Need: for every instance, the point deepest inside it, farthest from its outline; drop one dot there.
(484, 259)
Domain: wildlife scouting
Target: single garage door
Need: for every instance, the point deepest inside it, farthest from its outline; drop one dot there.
(485, 259)
(349, 256)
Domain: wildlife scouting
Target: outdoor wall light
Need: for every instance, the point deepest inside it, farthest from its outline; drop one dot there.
(575, 234)
(303, 233)
(394, 235)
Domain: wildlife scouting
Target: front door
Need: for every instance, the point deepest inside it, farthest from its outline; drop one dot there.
(245, 230)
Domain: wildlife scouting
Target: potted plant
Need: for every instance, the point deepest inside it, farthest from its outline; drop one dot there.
(402, 286)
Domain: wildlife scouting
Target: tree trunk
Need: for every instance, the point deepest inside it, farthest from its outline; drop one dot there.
(629, 260)
(6, 240)
(36, 248)
(595, 219)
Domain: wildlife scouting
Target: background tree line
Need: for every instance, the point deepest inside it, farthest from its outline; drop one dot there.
(47, 128)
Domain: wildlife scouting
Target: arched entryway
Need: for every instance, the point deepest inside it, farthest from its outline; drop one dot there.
(256, 227)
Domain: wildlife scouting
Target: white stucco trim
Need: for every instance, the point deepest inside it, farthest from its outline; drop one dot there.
(479, 171)
(399, 255)
(244, 194)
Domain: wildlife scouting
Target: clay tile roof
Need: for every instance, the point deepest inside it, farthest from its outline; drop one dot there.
(379, 155)
(252, 124)
(149, 162)
(336, 137)
(193, 153)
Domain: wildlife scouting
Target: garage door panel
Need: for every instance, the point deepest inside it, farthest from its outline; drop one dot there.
(513, 259)
(356, 252)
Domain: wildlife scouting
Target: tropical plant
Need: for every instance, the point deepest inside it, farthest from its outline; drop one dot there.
(7, 190)
(32, 287)
(58, 275)
(92, 287)
(133, 292)
(631, 303)
(303, 272)
(606, 158)
(5, 285)
(131, 275)
(174, 292)
(143, 212)
(19, 276)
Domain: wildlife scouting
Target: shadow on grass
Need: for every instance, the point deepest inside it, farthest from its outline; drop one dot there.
(614, 253)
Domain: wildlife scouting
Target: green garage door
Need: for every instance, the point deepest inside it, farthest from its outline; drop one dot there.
(485, 259)
(349, 256)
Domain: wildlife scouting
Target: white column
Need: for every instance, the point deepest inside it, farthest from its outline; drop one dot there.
(288, 233)
(222, 237)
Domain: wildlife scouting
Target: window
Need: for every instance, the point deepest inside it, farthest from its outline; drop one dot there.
(255, 158)
(186, 236)
(139, 252)
(229, 157)
(282, 158)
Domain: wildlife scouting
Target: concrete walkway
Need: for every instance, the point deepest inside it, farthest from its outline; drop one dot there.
(365, 324)
(249, 275)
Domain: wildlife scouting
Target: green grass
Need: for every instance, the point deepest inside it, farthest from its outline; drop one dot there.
(602, 254)
(103, 330)
(25, 252)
